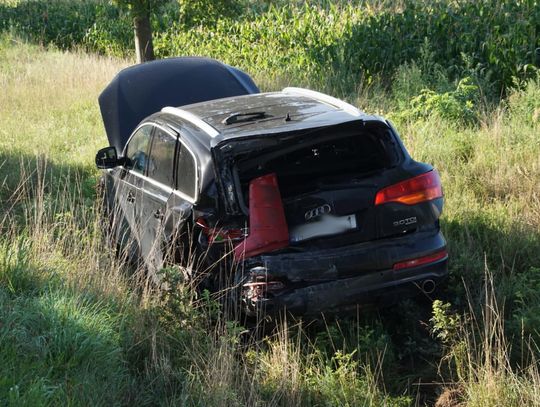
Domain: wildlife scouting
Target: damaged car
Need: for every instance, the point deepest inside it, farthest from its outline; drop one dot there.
(298, 200)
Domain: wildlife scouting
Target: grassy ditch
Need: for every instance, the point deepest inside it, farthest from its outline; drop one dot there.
(77, 328)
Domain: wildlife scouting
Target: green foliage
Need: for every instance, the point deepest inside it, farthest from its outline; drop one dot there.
(117, 39)
(456, 105)
(336, 45)
(525, 105)
(525, 317)
(141, 7)
(182, 309)
(445, 324)
(331, 45)
(61, 22)
(336, 382)
(208, 12)
(411, 78)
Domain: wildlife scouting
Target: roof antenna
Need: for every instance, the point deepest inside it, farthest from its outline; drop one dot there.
(288, 117)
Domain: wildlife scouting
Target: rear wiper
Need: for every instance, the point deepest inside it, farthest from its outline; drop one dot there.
(243, 117)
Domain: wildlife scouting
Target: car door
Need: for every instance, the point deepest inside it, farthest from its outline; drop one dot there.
(126, 217)
(157, 187)
(166, 208)
(182, 202)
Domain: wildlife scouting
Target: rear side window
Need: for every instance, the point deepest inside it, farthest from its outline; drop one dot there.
(137, 149)
(186, 181)
(161, 162)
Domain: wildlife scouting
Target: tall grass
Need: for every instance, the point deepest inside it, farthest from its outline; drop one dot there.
(77, 328)
(478, 351)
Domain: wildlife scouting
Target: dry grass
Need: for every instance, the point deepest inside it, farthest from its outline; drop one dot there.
(64, 296)
(479, 353)
(48, 102)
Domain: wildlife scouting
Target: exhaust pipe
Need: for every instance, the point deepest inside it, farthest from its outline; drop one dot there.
(428, 286)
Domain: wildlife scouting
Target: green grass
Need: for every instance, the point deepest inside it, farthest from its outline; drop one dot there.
(78, 329)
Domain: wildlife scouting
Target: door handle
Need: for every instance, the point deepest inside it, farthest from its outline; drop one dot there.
(130, 197)
(158, 214)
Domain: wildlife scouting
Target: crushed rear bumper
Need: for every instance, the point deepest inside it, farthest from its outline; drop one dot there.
(311, 282)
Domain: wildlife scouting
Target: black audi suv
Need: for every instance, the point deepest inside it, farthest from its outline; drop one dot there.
(306, 202)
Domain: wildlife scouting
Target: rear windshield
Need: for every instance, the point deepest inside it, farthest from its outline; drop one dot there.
(301, 166)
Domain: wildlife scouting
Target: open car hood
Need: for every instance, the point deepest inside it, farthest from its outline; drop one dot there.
(141, 90)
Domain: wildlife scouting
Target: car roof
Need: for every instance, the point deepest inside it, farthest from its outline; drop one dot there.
(201, 125)
(290, 110)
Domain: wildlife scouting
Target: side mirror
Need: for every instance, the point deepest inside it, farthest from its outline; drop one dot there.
(107, 158)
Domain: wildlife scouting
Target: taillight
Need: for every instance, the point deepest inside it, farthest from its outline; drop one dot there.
(220, 234)
(422, 188)
(420, 261)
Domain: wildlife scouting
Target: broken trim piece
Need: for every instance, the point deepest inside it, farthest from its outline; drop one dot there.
(190, 117)
(346, 107)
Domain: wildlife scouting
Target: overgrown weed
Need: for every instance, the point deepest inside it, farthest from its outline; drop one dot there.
(479, 352)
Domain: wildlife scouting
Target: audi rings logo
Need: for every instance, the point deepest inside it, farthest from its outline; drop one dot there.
(316, 212)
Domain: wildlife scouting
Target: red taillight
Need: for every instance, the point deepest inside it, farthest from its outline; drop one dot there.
(217, 235)
(422, 188)
(420, 261)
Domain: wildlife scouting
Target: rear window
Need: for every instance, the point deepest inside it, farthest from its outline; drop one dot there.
(186, 179)
(308, 163)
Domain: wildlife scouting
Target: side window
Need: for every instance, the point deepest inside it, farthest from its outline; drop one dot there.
(137, 149)
(160, 164)
(186, 180)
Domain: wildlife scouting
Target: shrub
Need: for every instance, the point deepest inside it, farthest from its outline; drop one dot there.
(60, 22)
(456, 105)
(525, 104)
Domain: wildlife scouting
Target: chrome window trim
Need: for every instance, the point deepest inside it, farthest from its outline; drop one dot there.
(132, 134)
(193, 119)
(322, 97)
(166, 188)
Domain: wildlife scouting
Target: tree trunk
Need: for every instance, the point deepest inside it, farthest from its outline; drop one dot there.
(144, 48)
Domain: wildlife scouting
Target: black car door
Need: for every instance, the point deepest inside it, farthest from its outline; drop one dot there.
(169, 194)
(157, 187)
(128, 192)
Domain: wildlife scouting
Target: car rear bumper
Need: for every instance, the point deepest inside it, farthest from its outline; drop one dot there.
(331, 279)
(385, 287)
